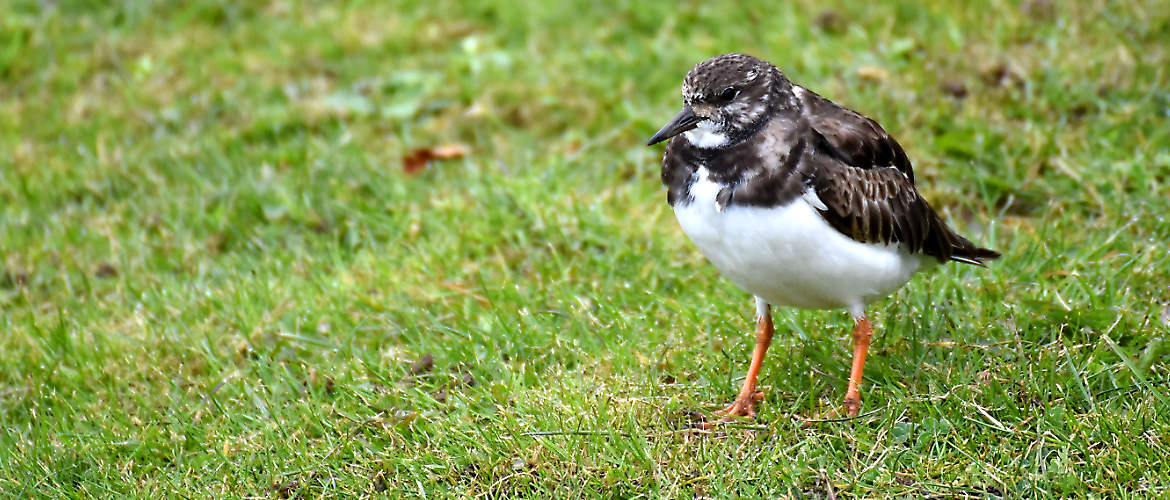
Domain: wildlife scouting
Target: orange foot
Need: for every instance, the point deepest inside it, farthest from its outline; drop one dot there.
(745, 403)
(744, 406)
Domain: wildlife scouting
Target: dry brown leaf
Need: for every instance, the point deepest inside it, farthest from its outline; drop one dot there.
(418, 159)
(423, 365)
(954, 88)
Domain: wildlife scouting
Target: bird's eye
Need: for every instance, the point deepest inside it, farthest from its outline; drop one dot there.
(726, 95)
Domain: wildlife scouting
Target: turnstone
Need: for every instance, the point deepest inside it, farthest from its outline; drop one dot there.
(799, 201)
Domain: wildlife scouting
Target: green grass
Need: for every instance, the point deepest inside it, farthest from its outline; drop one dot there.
(217, 279)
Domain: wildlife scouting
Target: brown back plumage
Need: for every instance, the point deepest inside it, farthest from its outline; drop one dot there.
(867, 185)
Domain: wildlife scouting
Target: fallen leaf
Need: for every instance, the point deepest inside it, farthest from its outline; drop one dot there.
(830, 21)
(423, 365)
(106, 270)
(419, 158)
(1038, 9)
(954, 88)
(1004, 74)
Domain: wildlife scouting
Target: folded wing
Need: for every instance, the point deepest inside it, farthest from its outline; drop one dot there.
(866, 184)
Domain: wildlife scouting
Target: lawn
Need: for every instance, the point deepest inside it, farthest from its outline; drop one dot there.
(221, 274)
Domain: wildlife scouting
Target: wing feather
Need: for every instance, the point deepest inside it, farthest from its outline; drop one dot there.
(866, 183)
(857, 140)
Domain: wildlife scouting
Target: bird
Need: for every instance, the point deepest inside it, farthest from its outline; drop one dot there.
(799, 201)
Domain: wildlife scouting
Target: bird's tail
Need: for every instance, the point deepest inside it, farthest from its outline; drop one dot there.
(957, 248)
(974, 255)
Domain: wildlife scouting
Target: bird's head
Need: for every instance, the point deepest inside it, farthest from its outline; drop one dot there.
(726, 99)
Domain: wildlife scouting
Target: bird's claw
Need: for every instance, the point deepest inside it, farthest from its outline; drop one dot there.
(744, 406)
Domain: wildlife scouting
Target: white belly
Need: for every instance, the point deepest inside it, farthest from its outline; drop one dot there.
(789, 255)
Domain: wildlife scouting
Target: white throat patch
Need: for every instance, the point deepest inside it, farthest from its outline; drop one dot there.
(704, 136)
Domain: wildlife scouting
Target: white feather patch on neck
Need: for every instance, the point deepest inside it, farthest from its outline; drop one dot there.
(705, 136)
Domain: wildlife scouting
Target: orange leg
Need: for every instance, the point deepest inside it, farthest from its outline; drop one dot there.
(745, 403)
(862, 332)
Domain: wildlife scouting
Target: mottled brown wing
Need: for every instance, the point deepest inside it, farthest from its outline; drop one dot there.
(858, 141)
(865, 180)
(881, 205)
(872, 205)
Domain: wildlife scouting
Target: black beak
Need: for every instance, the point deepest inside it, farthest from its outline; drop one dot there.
(682, 122)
